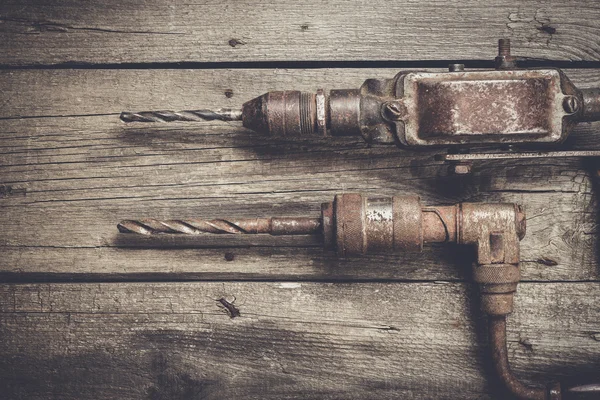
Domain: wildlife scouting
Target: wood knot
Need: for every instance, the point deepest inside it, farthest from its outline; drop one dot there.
(236, 42)
(7, 190)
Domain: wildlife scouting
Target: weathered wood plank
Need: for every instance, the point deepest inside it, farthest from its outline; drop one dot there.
(292, 340)
(112, 31)
(67, 181)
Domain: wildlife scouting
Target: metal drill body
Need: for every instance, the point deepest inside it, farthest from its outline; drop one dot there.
(353, 224)
(421, 109)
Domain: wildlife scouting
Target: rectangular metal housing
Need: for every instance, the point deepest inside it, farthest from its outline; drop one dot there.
(517, 106)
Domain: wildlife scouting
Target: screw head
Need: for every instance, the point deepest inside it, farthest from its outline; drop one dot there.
(393, 110)
(571, 104)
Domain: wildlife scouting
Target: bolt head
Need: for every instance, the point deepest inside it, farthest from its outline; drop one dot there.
(571, 104)
(393, 110)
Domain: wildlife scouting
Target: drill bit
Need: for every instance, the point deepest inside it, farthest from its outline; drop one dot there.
(194, 226)
(222, 114)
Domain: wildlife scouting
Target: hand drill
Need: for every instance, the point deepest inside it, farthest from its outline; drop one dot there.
(354, 224)
(417, 109)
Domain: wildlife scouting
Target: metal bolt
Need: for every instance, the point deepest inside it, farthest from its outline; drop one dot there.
(393, 111)
(504, 60)
(456, 67)
(571, 104)
(503, 47)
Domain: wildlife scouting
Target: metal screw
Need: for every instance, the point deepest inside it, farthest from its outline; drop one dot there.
(503, 47)
(504, 60)
(571, 104)
(393, 111)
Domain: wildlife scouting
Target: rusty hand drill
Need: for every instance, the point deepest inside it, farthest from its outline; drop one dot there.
(354, 224)
(505, 106)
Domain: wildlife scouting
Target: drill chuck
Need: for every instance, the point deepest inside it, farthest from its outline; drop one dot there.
(295, 113)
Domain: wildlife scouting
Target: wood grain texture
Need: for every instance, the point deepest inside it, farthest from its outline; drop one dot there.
(137, 31)
(292, 340)
(70, 170)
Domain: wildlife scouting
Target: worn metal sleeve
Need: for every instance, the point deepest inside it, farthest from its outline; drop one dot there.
(379, 224)
(408, 223)
(497, 340)
(275, 113)
(439, 224)
(497, 274)
(497, 304)
(591, 104)
(344, 112)
(349, 224)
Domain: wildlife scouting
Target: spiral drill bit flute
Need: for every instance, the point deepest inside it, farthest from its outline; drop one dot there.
(354, 224)
(505, 106)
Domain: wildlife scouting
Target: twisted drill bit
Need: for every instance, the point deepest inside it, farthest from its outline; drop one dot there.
(222, 114)
(272, 226)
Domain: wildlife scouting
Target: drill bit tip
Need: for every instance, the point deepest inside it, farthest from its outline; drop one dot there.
(222, 114)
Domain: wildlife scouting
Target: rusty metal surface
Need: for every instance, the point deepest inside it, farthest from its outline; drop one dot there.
(349, 215)
(344, 112)
(357, 224)
(497, 340)
(379, 224)
(591, 104)
(440, 224)
(408, 223)
(479, 223)
(282, 113)
(521, 106)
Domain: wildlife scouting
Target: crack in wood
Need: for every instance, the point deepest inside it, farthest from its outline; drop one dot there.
(40, 26)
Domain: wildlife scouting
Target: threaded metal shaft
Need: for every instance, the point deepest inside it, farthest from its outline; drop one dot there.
(273, 226)
(222, 114)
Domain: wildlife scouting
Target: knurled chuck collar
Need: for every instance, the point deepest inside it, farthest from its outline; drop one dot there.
(354, 224)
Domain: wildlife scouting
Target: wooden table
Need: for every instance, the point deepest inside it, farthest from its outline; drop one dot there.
(82, 317)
